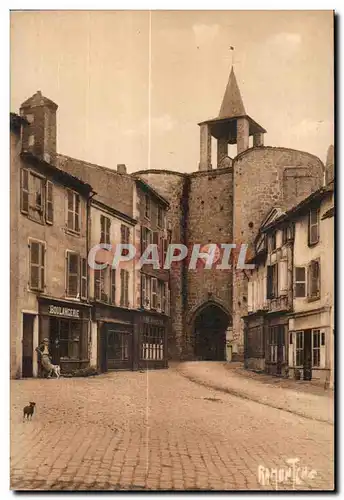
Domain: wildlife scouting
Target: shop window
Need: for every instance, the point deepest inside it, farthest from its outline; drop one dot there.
(105, 228)
(152, 342)
(300, 282)
(73, 211)
(70, 339)
(49, 206)
(299, 352)
(32, 195)
(272, 282)
(313, 226)
(73, 274)
(316, 348)
(37, 265)
(124, 288)
(314, 279)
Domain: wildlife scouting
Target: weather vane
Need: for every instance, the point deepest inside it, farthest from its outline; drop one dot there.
(232, 54)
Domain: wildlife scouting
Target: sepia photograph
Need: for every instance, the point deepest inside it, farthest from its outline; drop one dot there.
(172, 251)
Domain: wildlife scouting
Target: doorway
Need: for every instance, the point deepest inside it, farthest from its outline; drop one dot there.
(27, 359)
(210, 333)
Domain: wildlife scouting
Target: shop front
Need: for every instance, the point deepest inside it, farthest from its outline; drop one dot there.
(116, 340)
(311, 345)
(152, 352)
(66, 325)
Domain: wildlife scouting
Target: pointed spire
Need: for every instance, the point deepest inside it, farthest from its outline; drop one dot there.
(232, 104)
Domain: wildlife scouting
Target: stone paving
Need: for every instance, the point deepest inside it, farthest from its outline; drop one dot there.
(156, 431)
(305, 400)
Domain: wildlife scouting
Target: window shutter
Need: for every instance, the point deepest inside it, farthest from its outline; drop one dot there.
(73, 274)
(122, 233)
(102, 229)
(283, 275)
(154, 298)
(143, 290)
(127, 288)
(108, 230)
(24, 191)
(83, 285)
(113, 286)
(49, 207)
(42, 264)
(122, 286)
(34, 265)
(249, 296)
(269, 290)
(97, 288)
(77, 213)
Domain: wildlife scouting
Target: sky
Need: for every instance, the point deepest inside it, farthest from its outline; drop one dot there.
(132, 86)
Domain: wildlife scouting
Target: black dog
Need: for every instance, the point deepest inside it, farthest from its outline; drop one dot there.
(28, 410)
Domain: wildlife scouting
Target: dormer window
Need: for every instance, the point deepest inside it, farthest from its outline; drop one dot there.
(272, 240)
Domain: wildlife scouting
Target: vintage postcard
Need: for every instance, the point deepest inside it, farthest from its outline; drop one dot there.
(172, 322)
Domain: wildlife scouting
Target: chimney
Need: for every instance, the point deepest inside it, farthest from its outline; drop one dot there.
(39, 137)
(121, 168)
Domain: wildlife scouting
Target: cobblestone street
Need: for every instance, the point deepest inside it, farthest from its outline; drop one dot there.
(156, 430)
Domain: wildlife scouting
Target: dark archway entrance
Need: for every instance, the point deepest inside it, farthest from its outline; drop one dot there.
(210, 328)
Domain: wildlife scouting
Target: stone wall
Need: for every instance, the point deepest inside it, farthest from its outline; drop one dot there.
(265, 177)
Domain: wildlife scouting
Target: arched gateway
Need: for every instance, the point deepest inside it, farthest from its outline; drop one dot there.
(209, 331)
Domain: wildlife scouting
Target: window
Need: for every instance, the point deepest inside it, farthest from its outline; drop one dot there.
(113, 286)
(313, 226)
(145, 291)
(164, 296)
(32, 195)
(146, 238)
(147, 207)
(273, 241)
(152, 344)
(37, 265)
(125, 238)
(284, 235)
(124, 288)
(273, 334)
(316, 347)
(314, 279)
(70, 339)
(99, 284)
(73, 274)
(272, 282)
(49, 207)
(73, 211)
(300, 282)
(83, 285)
(299, 348)
(105, 226)
(154, 296)
(161, 217)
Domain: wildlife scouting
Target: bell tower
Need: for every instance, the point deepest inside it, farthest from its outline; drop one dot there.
(232, 126)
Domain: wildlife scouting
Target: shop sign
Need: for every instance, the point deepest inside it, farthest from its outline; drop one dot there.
(64, 311)
(153, 321)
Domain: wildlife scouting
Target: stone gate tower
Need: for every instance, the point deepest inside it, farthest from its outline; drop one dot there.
(225, 204)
